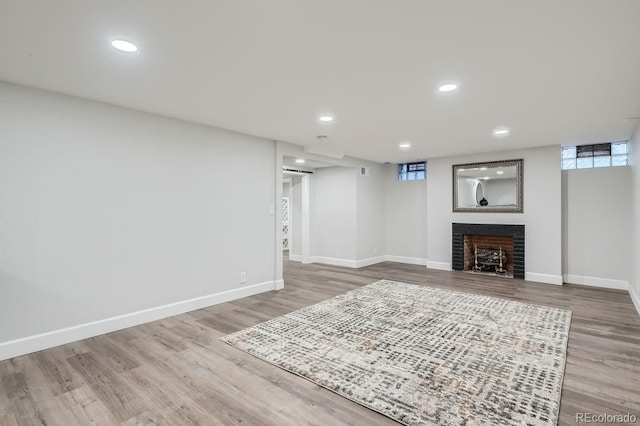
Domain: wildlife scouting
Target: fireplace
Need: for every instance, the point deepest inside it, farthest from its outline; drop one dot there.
(490, 238)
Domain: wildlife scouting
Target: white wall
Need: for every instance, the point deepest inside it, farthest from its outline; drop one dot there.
(347, 219)
(596, 214)
(370, 208)
(333, 213)
(406, 218)
(106, 211)
(541, 217)
(635, 172)
(348, 216)
(286, 187)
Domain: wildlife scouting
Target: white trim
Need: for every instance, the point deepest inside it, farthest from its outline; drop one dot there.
(278, 285)
(442, 266)
(305, 218)
(596, 282)
(295, 257)
(277, 212)
(635, 298)
(409, 260)
(370, 261)
(543, 278)
(50, 339)
(333, 261)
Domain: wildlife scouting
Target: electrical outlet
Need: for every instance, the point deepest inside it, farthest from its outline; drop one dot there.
(243, 277)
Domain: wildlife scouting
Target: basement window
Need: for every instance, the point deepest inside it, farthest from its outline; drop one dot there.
(412, 171)
(597, 155)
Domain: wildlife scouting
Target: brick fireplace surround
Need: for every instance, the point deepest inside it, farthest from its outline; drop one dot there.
(459, 230)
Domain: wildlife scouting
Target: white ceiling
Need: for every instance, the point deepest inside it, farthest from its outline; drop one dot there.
(307, 165)
(554, 71)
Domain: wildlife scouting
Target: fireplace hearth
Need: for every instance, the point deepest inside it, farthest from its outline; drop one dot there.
(493, 242)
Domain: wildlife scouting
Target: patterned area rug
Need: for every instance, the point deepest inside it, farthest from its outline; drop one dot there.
(423, 355)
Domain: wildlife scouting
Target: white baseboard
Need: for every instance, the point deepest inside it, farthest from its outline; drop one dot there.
(543, 278)
(635, 298)
(346, 262)
(50, 339)
(370, 261)
(442, 266)
(596, 282)
(409, 260)
(333, 261)
(279, 285)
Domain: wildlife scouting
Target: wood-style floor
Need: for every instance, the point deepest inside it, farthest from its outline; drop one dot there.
(175, 371)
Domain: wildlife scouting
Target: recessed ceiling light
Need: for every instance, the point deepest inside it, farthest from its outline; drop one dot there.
(124, 46)
(326, 118)
(404, 145)
(500, 172)
(501, 132)
(449, 87)
(483, 168)
(300, 160)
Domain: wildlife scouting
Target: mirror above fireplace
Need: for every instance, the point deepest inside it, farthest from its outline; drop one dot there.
(494, 186)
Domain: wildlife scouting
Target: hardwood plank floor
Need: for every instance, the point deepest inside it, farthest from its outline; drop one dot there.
(175, 371)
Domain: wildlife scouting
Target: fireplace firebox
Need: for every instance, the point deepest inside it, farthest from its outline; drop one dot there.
(501, 248)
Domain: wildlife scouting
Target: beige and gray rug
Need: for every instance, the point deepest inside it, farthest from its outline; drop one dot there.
(422, 355)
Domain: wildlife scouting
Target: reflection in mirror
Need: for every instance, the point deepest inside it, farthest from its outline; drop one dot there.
(488, 187)
(479, 193)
